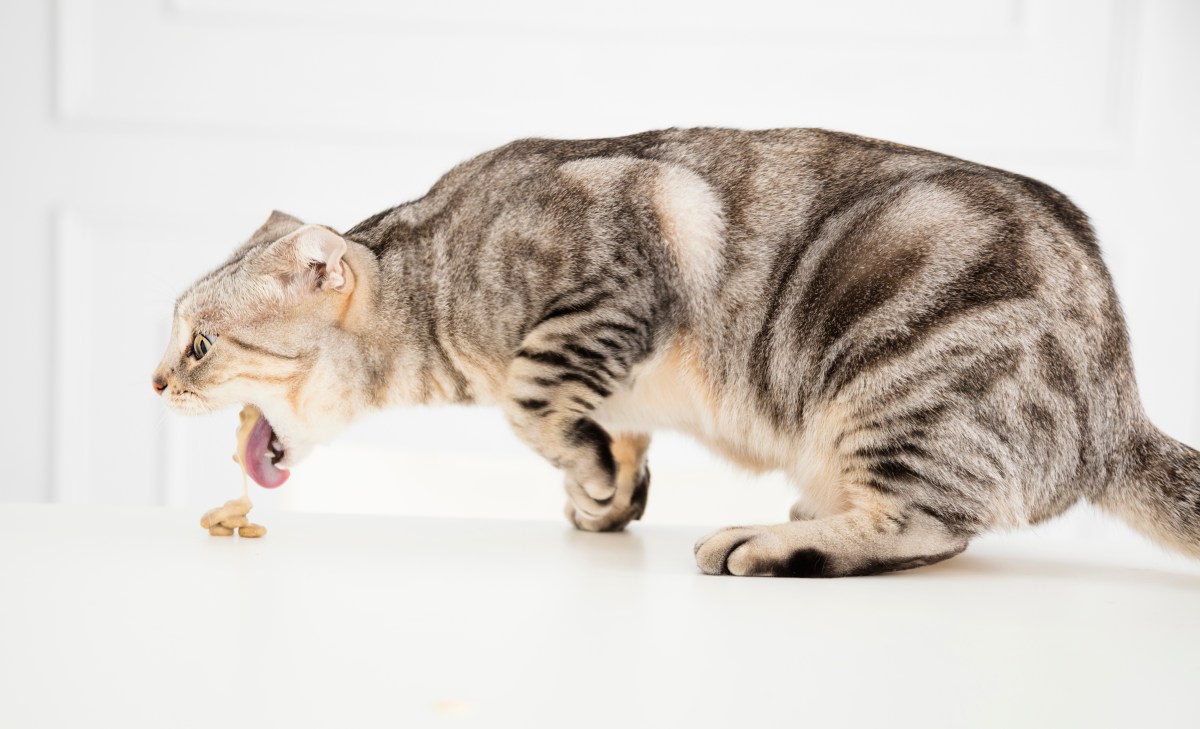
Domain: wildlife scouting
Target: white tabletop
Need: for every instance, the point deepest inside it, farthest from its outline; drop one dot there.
(138, 617)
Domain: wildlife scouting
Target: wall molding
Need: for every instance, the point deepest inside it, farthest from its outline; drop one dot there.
(716, 22)
(86, 98)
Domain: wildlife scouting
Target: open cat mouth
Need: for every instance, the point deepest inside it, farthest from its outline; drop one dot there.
(264, 451)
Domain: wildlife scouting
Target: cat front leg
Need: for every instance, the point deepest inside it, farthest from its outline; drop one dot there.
(554, 385)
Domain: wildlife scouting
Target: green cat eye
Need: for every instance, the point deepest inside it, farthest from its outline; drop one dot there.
(200, 346)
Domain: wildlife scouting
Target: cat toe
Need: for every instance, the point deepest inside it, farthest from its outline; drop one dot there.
(743, 551)
(714, 551)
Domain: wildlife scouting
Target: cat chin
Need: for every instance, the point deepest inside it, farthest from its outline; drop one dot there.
(189, 403)
(295, 447)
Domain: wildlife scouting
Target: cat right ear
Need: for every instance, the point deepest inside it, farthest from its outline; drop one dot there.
(311, 248)
(277, 225)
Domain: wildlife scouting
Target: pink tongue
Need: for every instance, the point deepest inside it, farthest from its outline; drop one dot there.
(258, 458)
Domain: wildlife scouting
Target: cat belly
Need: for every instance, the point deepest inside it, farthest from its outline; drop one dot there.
(658, 398)
(671, 392)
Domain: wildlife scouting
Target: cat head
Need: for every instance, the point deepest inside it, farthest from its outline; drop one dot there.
(265, 328)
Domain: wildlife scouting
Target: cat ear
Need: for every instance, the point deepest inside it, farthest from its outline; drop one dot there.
(314, 246)
(275, 227)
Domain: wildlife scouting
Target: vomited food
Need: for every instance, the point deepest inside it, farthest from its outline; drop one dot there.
(223, 520)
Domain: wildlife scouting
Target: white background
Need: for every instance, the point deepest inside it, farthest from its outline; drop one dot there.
(140, 140)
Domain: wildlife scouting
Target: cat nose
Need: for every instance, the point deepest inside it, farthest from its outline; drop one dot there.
(159, 384)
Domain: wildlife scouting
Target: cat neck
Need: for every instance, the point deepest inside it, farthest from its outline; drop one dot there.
(390, 314)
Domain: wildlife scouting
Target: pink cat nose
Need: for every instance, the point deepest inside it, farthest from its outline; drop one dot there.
(159, 384)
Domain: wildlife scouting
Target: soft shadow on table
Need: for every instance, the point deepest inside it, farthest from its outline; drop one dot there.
(1025, 568)
(620, 550)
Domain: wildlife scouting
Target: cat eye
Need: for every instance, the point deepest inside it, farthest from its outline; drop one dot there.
(200, 346)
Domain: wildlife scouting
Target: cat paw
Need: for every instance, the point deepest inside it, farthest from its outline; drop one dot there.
(750, 550)
(611, 521)
(612, 515)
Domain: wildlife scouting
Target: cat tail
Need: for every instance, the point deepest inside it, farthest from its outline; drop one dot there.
(1156, 490)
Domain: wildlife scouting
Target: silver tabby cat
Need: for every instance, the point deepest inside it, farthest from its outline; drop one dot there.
(929, 348)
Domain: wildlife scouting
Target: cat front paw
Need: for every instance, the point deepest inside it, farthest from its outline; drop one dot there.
(612, 515)
(583, 521)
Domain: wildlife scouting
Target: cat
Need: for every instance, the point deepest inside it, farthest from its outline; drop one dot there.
(929, 348)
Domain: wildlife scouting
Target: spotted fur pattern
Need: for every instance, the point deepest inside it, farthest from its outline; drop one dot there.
(928, 347)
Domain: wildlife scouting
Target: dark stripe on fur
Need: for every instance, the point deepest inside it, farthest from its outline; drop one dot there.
(979, 377)
(804, 563)
(641, 492)
(1057, 371)
(584, 353)
(259, 350)
(837, 195)
(857, 274)
(589, 382)
(585, 432)
(1001, 273)
(553, 359)
(892, 450)
(957, 521)
(581, 307)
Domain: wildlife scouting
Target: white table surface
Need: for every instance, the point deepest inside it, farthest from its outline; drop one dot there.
(137, 617)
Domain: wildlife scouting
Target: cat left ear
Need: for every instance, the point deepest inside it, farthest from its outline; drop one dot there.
(315, 246)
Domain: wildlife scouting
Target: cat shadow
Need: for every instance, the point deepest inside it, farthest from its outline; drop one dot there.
(968, 564)
(627, 551)
(623, 551)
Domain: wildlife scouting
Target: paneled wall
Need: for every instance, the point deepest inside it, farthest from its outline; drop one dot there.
(142, 139)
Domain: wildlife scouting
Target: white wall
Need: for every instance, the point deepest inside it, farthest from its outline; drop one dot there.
(141, 139)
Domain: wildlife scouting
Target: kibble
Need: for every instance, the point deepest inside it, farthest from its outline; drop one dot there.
(222, 521)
